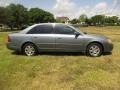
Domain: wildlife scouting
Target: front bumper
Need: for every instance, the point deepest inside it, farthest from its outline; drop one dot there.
(108, 47)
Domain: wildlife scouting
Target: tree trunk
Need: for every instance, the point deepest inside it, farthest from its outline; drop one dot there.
(11, 27)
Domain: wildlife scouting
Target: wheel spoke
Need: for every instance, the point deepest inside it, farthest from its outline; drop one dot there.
(29, 50)
(94, 50)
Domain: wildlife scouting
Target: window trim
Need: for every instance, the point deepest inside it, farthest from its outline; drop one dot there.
(42, 33)
(63, 33)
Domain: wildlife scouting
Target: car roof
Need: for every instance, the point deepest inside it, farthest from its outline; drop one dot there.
(49, 23)
(32, 26)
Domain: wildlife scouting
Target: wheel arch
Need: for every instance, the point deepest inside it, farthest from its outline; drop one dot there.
(97, 43)
(26, 43)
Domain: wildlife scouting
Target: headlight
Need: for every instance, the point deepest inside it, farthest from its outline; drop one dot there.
(109, 41)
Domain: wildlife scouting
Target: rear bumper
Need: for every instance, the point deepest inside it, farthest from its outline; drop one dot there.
(12, 47)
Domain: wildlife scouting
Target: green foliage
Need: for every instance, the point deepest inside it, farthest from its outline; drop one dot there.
(105, 20)
(2, 15)
(48, 17)
(83, 18)
(98, 19)
(88, 21)
(114, 20)
(74, 21)
(16, 16)
(37, 15)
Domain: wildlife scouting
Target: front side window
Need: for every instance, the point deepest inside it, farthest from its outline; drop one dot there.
(41, 29)
(63, 29)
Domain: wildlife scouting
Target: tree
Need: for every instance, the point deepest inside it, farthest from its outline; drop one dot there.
(98, 19)
(115, 19)
(48, 17)
(74, 21)
(88, 21)
(112, 20)
(118, 21)
(83, 18)
(2, 15)
(16, 15)
(37, 15)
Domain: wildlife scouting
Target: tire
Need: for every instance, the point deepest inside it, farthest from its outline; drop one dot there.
(29, 49)
(94, 50)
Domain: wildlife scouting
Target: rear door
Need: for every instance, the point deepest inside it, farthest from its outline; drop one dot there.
(43, 36)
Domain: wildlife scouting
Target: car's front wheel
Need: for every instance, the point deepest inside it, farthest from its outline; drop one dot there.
(29, 49)
(94, 50)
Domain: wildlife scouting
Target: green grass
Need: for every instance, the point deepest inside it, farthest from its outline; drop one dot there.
(61, 71)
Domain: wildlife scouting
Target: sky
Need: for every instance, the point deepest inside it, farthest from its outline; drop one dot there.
(71, 8)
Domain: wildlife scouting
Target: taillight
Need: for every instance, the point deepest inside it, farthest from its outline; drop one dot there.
(9, 40)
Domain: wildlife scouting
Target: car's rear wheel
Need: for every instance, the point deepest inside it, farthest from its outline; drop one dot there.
(94, 50)
(29, 49)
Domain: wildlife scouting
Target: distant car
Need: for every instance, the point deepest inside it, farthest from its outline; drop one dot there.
(56, 37)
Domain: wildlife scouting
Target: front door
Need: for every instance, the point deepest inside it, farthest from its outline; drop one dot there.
(66, 39)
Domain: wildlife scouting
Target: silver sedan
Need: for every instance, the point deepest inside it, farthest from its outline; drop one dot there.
(56, 37)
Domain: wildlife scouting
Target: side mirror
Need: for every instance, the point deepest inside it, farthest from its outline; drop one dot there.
(77, 34)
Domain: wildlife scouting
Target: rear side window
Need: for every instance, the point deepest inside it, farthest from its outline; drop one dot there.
(63, 29)
(41, 29)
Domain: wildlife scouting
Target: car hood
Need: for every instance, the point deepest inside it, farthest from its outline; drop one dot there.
(93, 35)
